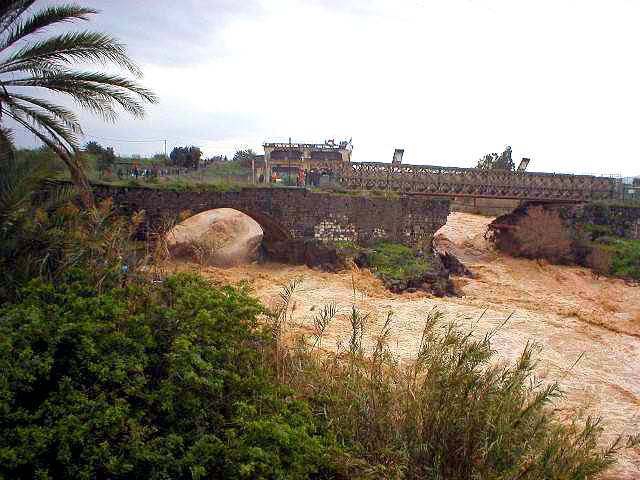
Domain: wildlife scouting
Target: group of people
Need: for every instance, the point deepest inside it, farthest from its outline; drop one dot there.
(304, 178)
(151, 171)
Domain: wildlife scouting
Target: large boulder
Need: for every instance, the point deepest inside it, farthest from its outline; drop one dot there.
(220, 237)
(307, 251)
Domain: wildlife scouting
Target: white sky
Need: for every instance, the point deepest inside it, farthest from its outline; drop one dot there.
(447, 80)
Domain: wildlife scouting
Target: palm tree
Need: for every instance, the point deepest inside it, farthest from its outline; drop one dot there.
(32, 65)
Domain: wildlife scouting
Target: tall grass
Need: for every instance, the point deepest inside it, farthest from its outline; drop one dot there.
(452, 413)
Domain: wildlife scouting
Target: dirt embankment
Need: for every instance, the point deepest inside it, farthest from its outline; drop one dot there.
(567, 310)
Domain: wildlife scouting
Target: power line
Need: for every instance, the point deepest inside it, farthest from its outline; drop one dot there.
(156, 140)
(124, 140)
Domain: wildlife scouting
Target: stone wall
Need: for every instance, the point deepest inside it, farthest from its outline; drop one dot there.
(297, 213)
(619, 219)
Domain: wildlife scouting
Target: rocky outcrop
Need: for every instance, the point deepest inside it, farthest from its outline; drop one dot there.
(427, 273)
(311, 252)
(601, 236)
(453, 265)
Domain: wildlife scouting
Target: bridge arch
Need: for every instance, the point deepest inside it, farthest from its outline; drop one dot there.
(294, 215)
(272, 230)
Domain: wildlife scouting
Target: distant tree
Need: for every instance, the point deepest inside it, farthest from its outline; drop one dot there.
(42, 155)
(244, 157)
(160, 158)
(493, 161)
(94, 148)
(106, 160)
(186, 156)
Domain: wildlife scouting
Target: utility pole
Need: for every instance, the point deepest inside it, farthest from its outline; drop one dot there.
(165, 149)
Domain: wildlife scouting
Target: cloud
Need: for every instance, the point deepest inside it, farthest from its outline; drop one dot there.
(166, 32)
(447, 81)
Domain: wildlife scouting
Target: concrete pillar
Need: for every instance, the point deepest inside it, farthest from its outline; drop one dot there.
(267, 164)
(306, 158)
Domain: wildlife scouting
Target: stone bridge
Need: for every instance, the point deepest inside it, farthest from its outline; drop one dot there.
(455, 182)
(296, 213)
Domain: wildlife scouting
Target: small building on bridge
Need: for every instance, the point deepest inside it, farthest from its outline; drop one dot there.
(294, 163)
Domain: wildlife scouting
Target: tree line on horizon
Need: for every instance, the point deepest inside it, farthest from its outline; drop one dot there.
(188, 156)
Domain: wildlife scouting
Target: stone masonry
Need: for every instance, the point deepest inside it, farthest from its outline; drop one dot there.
(297, 213)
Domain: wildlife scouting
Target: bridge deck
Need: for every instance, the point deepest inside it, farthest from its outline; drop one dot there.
(472, 182)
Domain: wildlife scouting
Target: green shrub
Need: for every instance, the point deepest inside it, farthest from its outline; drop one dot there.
(595, 231)
(397, 265)
(142, 382)
(625, 256)
(346, 245)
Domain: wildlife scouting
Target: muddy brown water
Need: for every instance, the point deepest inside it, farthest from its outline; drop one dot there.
(568, 311)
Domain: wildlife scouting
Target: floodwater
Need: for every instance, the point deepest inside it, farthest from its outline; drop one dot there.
(572, 314)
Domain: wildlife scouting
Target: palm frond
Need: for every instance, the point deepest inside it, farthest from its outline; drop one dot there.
(72, 47)
(49, 64)
(48, 137)
(57, 194)
(46, 18)
(7, 145)
(34, 67)
(10, 10)
(45, 121)
(64, 115)
(94, 91)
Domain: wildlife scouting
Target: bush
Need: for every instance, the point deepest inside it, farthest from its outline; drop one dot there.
(600, 259)
(142, 382)
(46, 241)
(401, 268)
(397, 265)
(623, 254)
(543, 234)
(535, 232)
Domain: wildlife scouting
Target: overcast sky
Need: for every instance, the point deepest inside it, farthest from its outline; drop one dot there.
(447, 80)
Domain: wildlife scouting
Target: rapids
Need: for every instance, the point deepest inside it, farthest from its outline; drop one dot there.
(571, 313)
